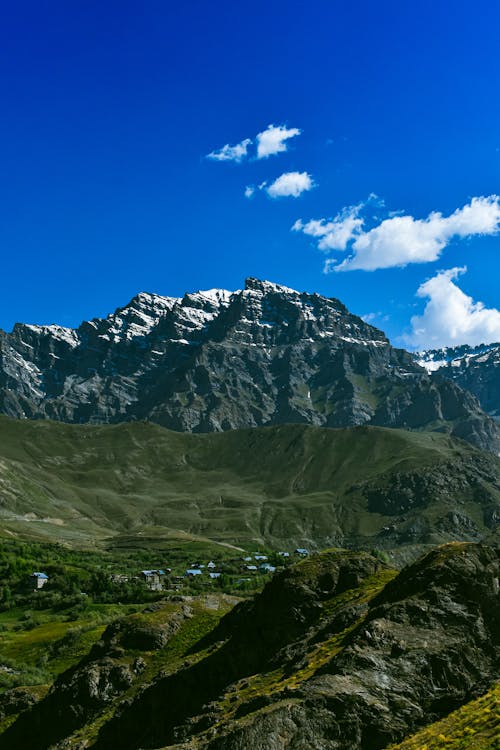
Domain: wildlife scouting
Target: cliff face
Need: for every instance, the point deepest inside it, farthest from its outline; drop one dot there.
(217, 360)
(337, 653)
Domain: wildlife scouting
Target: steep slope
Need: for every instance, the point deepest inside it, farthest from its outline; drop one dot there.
(337, 653)
(217, 360)
(475, 726)
(477, 369)
(290, 484)
(419, 649)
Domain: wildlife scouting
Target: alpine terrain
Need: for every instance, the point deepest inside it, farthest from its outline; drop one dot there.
(218, 360)
(475, 368)
(244, 520)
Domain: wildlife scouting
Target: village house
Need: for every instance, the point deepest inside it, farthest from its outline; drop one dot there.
(302, 552)
(152, 579)
(192, 572)
(39, 580)
(267, 568)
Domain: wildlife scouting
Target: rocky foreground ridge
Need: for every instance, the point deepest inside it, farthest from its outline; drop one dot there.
(220, 360)
(339, 652)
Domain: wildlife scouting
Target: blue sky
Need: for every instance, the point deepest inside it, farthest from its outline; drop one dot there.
(110, 109)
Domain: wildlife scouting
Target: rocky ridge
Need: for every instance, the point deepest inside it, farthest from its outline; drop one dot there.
(339, 652)
(476, 369)
(219, 360)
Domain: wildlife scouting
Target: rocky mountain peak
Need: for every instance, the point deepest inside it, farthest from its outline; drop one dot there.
(265, 287)
(217, 360)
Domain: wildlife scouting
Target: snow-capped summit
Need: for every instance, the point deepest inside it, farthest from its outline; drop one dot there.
(476, 368)
(265, 287)
(434, 359)
(216, 360)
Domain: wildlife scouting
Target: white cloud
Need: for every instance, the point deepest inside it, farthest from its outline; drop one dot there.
(450, 316)
(273, 140)
(400, 240)
(231, 153)
(290, 184)
(334, 234)
(372, 317)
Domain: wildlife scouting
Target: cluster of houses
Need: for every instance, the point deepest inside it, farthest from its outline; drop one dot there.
(250, 564)
(154, 578)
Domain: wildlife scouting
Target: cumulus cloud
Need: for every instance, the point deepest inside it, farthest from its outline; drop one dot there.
(290, 184)
(336, 233)
(450, 316)
(400, 239)
(274, 139)
(231, 153)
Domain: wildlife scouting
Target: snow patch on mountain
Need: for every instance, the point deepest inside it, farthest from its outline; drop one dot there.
(456, 356)
(68, 335)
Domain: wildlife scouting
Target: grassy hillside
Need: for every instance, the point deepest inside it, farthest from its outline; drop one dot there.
(289, 484)
(475, 726)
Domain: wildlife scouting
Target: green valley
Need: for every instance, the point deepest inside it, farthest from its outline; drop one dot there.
(138, 484)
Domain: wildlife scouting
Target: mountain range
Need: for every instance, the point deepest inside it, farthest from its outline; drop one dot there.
(270, 419)
(218, 360)
(475, 368)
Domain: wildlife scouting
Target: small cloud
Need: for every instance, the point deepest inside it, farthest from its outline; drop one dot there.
(372, 317)
(400, 239)
(450, 316)
(290, 184)
(231, 153)
(273, 140)
(336, 233)
(249, 191)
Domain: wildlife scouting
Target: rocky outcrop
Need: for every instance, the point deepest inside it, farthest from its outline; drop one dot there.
(429, 642)
(217, 360)
(339, 652)
(353, 677)
(16, 700)
(84, 691)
